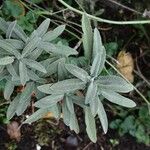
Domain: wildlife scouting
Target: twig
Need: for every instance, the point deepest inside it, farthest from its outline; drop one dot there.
(104, 20)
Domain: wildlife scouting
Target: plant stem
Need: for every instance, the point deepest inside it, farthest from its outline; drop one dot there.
(104, 20)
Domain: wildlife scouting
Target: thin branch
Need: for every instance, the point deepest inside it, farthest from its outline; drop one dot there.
(104, 20)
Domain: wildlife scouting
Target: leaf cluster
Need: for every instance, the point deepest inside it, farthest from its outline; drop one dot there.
(21, 63)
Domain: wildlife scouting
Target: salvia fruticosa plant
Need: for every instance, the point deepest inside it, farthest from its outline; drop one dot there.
(58, 76)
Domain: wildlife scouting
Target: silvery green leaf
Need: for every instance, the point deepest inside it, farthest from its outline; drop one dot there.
(66, 113)
(34, 64)
(49, 101)
(3, 75)
(6, 60)
(69, 104)
(12, 71)
(57, 49)
(77, 72)
(55, 109)
(12, 107)
(91, 92)
(117, 98)
(20, 33)
(74, 123)
(23, 73)
(16, 43)
(52, 35)
(35, 77)
(31, 45)
(9, 48)
(90, 125)
(94, 105)
(41, 30)
(8, 90)
(10, 29)
(1, 69)
(35, 54)
(114, 83)
(78, 100)
(3, 25)
(87, 37)
(37, 115)
(25, 98)
(102, 116)
(62, 87)
(97, 43)
(98, 63)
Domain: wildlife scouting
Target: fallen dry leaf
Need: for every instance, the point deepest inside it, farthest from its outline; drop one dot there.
(13, 130)
(126, 65)
(48, 115)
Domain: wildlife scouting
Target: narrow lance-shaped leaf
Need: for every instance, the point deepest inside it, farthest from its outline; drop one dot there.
(102, 116)
(77, 72)
(32, 44)
(69, 104)
(52, 35)
(94, 105)
(6, 60)
(41, 30)
(62, 87)
(9, 88)
(114, 83)
(98, 63)
(117, 98)
(3, 25)
(16, 43)
(25, 98)
(34, 64)
(37, 115)
(10, 29)
(23, 73)
(12, 107)
(49, 101)
(91, 92)
(90, 125)
(87, 37)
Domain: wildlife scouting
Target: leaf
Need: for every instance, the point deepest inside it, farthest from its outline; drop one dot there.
(10, 29)
(73, 124)
(12, 107)
(37, 115)
(25, 98)
(20, 33)
(91, 93)
(78, 100)
(34, 64)
(35, 54)
(94, 105)
(49, 101)
(62, 87)
(3, 25)
(114, 83)
(77, 72)
(52, 35)
(32, 44)
(9, 48)
(98, 63)
(118, 99)
(9, 88)
(12, 71)
(90, 125)
(17, 44)
(57, 49)
(87, 37)
(102, 116)
(6, 60)
(23, 73)
(41, 30)
(69, 104)
(97, 43)
(66, 113)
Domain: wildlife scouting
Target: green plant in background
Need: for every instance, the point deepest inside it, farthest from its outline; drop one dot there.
(58, 78)
(136, 125)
